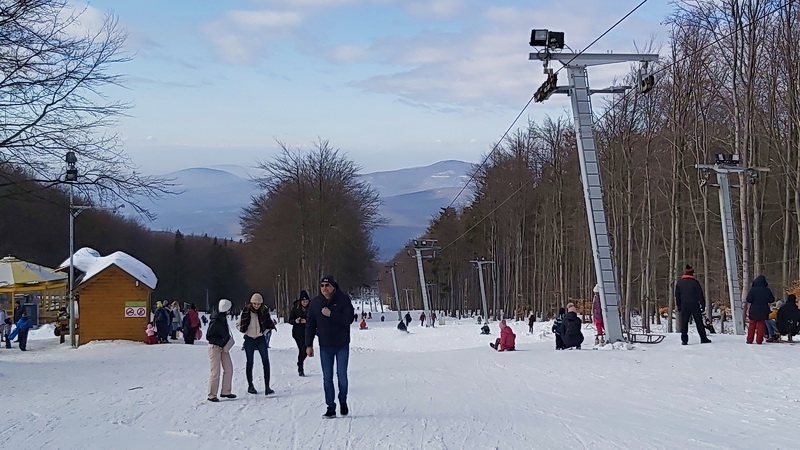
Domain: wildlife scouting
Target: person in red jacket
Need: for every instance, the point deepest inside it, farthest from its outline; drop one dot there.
(506, 340)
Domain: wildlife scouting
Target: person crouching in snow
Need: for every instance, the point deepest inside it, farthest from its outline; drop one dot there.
(220, 343)
(571, 328)
(151, 334)
(362, 325)
(485, 329)
(506, 340)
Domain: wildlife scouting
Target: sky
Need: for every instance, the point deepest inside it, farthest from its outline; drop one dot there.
(391, 83)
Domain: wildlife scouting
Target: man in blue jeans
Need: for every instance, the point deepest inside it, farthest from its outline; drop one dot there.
(329, 316)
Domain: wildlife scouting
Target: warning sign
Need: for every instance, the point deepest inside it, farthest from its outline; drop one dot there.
(131, 311)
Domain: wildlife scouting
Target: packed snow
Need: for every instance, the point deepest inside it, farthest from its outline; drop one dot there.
(432, 388)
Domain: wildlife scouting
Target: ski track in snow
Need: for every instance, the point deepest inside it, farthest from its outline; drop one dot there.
(440, 388)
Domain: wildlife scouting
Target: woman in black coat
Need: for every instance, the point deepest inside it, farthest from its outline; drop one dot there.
(789, 317)
(297, 317)
(758, 299)
(571, 328)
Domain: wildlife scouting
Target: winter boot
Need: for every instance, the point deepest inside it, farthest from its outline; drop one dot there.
(343, 408)
(330, 413)
(267, 390)
(300, 369)
(250, 388)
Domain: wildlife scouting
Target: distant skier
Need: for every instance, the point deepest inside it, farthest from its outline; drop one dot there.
(557, 328)
(571, 328)
(408, 319)
(691, 304)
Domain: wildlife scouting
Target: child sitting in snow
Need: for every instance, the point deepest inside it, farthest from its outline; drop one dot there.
(506, 340)
(151, 334)
(362, 325)
(485, 329)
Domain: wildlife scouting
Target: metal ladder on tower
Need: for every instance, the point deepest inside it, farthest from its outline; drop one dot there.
(593, 196)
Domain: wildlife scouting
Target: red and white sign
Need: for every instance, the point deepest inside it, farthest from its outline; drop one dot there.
(131, 311)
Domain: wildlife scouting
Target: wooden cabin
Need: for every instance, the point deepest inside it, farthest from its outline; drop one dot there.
(113, 296)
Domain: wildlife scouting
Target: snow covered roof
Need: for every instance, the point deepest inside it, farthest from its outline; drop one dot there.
(89, 261)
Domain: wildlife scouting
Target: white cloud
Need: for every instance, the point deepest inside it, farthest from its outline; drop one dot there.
(487, 66)
(243, 37)
(83, 19)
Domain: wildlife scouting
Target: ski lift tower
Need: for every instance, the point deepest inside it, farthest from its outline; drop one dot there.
(725, 165)
(551, 44)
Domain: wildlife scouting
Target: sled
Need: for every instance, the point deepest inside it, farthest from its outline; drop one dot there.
(638, 335)
(645, 338)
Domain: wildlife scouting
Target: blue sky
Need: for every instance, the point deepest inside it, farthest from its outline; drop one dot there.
(392, 83)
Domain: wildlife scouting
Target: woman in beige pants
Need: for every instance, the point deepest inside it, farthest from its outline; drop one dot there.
(220, 343)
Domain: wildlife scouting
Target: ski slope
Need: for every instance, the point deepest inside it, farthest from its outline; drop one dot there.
(434, 388)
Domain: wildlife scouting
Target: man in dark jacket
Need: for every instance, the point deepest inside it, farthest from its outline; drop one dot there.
(297, 317)
(408, 319)
(758, 300)
(330, 315)
(691, 303)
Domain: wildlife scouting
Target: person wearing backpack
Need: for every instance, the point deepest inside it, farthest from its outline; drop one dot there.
(557, 328)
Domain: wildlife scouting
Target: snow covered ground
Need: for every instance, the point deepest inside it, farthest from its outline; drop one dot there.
(439, 388)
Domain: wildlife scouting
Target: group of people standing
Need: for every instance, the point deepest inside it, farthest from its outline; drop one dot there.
(17, 328)
(327, 316)
(169, 319)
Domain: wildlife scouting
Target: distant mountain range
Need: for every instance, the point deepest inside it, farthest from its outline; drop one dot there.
(211, 200)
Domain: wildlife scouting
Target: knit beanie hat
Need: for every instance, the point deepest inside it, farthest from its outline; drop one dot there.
(689, 271)
(304, 295)
(225, 305)
(256, 298)
(596, 288)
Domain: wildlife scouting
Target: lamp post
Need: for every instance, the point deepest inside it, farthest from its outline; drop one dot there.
(71, 177)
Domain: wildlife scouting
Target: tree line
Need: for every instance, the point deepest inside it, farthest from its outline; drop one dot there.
(728, 82)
